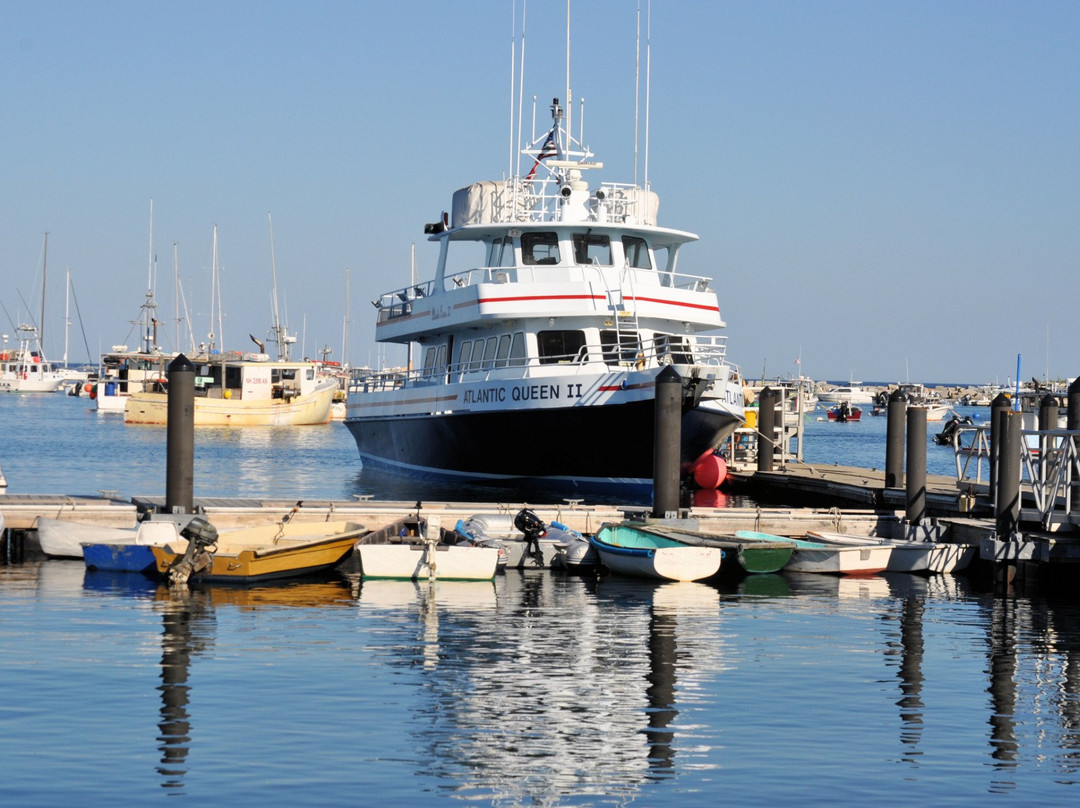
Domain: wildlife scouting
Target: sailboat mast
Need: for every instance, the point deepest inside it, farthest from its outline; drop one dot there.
(345, 326)
(44, 275)
(149, 342)
(213, 287)
(67, 312)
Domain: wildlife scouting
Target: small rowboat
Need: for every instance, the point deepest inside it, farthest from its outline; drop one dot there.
(630, 550)
(400, 551)
(831, 558)
(909, 556)
(745, 555)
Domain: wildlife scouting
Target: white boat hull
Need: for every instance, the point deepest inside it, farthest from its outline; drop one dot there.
(418, 561)
(666, 563)
(153, 408)
(839, 559)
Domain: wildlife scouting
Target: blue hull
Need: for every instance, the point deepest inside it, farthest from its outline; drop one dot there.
(118, 557)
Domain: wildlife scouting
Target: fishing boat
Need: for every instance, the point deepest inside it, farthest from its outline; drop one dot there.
(908, 556)
(828, 557)
(234, 389)
(286, 549)
(25, 369)
(629, 550)
(414, 548)
(554, 307)
(745, 555)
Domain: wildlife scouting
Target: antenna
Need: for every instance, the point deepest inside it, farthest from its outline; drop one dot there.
(637, 88)
(279, 337)
(648, 76)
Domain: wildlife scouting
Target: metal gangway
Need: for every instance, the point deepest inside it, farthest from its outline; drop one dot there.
(1050, 468)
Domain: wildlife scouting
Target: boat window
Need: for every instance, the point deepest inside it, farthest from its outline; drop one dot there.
(489, 352)
(558, 347)
(590, 248)
(429, 361)
(463, 355)
(502, 253)
(517, 349)
(539, 248)
(637, 252)
(503, 355)
(619, 346)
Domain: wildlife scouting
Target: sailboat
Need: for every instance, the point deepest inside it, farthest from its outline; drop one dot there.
(25, 369)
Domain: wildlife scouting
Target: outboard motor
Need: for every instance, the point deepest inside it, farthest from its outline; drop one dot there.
(202, 544)
(534, 529)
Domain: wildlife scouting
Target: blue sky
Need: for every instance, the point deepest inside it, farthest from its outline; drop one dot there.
(890, 190)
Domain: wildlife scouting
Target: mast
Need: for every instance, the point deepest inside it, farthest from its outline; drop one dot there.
(44, 275)
(345, 326)
(213, 289)
(67, 312)
(281, 336)
(149, 319)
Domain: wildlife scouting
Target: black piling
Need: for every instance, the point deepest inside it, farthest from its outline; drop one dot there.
(667, 442)
(999, 405)
(1072, 423)
(1007, 501)
(180, 440)
(1048, 420)
(916, 465)
(766, 429)
(894, 440)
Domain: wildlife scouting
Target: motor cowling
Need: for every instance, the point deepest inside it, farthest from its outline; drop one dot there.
(530, 524)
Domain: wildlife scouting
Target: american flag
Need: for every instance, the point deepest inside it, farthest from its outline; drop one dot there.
(549, 149)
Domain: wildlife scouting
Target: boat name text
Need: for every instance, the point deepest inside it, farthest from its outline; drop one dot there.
(522, 392)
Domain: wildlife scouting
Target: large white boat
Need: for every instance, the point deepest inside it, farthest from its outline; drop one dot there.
(553, 309)
(25, 369)
(849, 393)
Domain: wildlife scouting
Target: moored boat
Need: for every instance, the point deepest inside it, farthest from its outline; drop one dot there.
(629, 550)
(414, 548)
(557, 333)
(908, 556)
(25, 368)
(843, 412)
(256, 554)
(746, 554)
(236, 389)
(831, 558)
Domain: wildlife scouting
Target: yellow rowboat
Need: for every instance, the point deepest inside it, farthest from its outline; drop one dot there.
(257, 554)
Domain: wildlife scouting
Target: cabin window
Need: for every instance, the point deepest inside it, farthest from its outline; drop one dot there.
(619, 346)
(539, 248)
(560, 346)
(464, 353)
(489, 352)
(502, 253)
(503, 356)
(637, 252)
(517, 349)
(592, 249)
(429, 361)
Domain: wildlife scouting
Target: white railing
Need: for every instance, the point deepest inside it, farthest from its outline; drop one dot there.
(707, 351)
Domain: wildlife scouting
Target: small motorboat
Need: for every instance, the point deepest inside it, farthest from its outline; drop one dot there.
(844, 412)
(285, 549)
(631, 550)
(924, 557)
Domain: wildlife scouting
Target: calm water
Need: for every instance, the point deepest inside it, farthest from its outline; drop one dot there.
(537, 689)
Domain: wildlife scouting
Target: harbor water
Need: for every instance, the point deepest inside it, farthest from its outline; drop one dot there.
(535, 689)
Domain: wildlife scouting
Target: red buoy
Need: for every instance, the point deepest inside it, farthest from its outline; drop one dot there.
(710, 471)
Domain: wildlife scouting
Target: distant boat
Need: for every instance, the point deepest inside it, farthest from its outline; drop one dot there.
(406, 550)
(256, 554)
(852, 394)
(25, 369)
(629, 550)
(842, 413)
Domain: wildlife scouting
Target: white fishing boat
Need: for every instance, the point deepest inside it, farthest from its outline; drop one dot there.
(830, 557)
(25, 369)
(554, 306)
